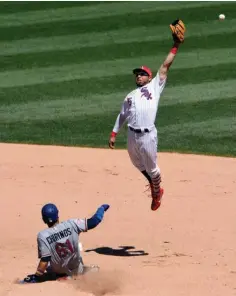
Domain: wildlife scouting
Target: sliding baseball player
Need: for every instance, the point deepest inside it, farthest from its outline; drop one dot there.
(58, 245)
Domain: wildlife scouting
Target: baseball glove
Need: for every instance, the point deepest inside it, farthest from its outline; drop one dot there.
(178, 30)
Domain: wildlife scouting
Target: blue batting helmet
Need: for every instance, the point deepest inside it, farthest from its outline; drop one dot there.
(49, 213)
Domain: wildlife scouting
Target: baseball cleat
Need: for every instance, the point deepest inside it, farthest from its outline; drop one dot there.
(156, 201)
(149, 188)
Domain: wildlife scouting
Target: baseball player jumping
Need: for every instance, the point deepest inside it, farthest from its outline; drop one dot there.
(139, 109)
(58, 248)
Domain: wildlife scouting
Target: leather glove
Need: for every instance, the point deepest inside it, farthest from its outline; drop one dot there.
(178, 30)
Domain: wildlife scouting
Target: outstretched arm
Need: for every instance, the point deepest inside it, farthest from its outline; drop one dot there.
(178, 31)
(163, 71)
(97, 217)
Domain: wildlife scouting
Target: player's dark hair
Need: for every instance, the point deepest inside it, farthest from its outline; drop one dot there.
(51, 224)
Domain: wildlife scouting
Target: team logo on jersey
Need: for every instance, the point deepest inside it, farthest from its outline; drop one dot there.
(145, 93)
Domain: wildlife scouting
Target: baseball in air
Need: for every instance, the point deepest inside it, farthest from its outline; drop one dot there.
(221, 17)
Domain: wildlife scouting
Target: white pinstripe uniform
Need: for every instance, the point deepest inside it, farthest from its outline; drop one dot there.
(139, 110)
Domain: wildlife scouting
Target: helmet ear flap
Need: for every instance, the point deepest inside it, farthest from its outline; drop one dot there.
(45, 219)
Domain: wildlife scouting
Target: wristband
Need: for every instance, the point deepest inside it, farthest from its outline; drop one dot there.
(174, 49)
(113, 134)
(39, 272)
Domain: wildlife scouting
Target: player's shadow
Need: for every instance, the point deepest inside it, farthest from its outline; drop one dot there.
(122, 251)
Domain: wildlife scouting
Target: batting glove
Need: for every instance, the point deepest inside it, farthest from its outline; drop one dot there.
(32, 279)
(105, 207)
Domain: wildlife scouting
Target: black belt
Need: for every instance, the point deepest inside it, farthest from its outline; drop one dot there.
(146, 130)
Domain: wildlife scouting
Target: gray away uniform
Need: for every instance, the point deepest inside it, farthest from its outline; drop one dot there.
(61, 243)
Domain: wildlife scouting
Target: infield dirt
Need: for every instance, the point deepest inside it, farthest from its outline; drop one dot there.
(187, 247)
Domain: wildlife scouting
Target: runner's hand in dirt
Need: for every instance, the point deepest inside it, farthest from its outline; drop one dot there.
(31, 279)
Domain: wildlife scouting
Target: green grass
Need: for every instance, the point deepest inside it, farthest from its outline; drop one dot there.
(25, 6)
(109, 52)
(107, 23)
(66, 68)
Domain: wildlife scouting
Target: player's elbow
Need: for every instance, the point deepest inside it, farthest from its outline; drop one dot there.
(93, 222)
(96, 218)
(122, 115)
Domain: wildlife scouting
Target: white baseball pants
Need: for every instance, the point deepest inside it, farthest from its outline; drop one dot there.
(142, 149)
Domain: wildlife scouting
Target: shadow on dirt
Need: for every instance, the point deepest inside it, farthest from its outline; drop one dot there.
(122, 251)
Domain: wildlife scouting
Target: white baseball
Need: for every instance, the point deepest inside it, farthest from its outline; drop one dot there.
(221, 16)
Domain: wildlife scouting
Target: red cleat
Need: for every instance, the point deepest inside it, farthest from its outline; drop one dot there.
(156, 201)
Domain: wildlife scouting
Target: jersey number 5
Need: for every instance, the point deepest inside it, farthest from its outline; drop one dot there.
(64, 249)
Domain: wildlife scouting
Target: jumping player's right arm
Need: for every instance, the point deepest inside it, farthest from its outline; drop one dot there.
(120, 120)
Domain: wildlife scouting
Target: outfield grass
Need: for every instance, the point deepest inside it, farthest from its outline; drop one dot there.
(66, 68)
